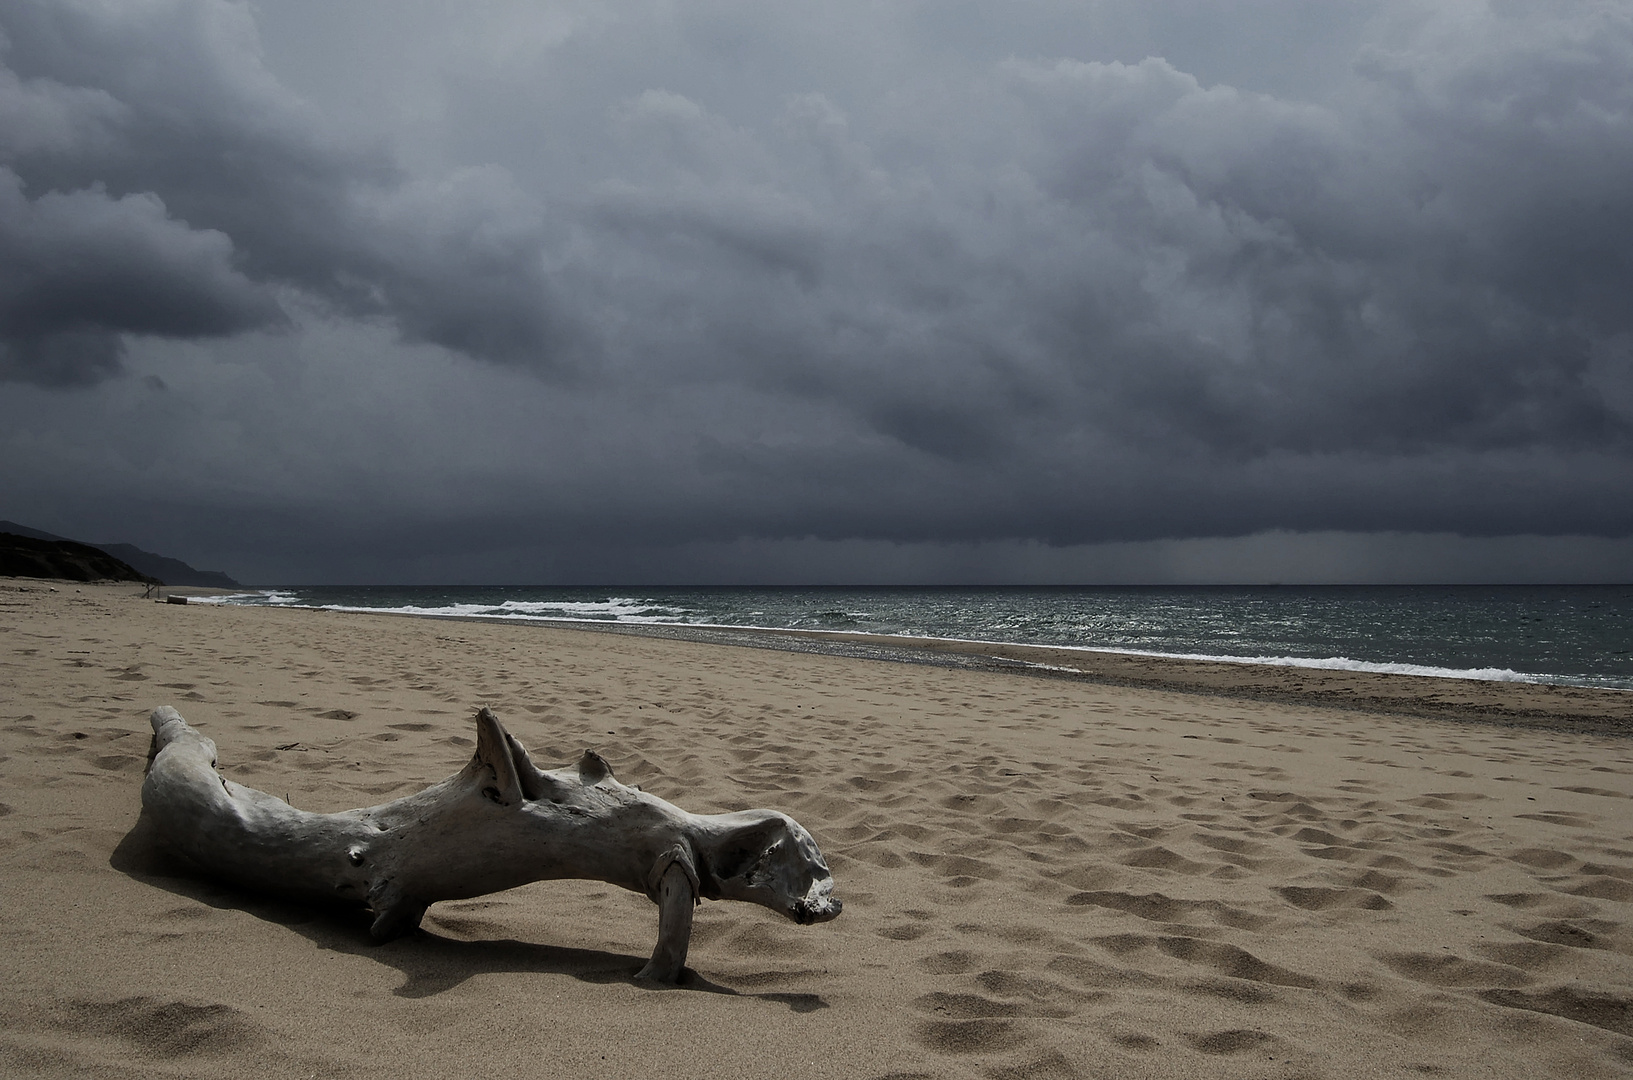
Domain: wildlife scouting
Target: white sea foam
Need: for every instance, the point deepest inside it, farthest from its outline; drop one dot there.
(260, 597)
(613, 609)
(647, 611)
(1330, 663)
(1052, 667)
(1343, 663)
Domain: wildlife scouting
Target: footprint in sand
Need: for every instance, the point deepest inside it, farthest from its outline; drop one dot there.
(1161, 858)
(1542, 858)
(1605, 888)
(951, 962)
(169, 1029)
(1314, 898)
(1533, 956)
(1156, 907)
(1448, 970)
(983, 1036)
(1564, 818)
(1234, 1041)
(1611, 1012)
(1237, 963)
(907, 931)
(1217, 957)
(1576, 935)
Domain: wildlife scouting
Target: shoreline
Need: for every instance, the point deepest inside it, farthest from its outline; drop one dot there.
(1531, 704)
(1516, 703)
(1547, 706)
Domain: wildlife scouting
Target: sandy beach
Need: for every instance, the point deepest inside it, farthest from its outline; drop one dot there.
(1151, 869)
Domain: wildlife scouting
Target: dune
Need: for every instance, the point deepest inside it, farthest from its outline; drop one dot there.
(1044, 875)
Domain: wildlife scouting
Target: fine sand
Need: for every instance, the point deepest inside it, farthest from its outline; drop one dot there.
(1045, 875)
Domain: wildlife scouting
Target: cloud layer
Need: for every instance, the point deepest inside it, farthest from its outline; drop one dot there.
(730, 273)
(160, 121)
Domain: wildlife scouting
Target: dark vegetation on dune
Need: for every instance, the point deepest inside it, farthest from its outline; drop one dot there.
(40, 558)
(24, 556)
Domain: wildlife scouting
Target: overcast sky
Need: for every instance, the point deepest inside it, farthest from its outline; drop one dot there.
(1051, 290)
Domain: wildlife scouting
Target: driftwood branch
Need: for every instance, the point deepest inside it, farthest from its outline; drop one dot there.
(498, 823)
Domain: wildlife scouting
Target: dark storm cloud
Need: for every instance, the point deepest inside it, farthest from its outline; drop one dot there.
(832, 275)
(1174, 263)
(1132, 306)
(82, 268)
(162, 116)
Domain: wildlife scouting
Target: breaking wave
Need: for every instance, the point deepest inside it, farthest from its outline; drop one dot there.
(1571, 635)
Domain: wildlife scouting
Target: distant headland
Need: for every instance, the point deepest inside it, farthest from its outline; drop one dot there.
(27, 552)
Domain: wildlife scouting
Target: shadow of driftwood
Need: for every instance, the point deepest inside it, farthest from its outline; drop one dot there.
(429, 962)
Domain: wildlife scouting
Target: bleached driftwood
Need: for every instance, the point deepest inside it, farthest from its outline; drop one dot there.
(498, 823)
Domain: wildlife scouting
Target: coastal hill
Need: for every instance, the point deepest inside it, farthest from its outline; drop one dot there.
(168, 570)
(25, 556)
(146, 565)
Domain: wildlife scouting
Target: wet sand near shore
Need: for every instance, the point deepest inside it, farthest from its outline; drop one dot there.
(1564, 708)
(1150, 869)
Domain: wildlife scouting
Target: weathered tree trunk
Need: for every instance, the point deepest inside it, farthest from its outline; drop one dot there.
(498, 823)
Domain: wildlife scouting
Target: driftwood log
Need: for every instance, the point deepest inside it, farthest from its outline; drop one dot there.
(498, 823)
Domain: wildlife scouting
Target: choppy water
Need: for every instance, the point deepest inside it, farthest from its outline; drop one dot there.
(1577, 635)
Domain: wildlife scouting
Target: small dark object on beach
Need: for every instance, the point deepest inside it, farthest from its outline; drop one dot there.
(175, 599)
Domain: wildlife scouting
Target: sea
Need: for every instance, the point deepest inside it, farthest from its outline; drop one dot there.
(1574, 635)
